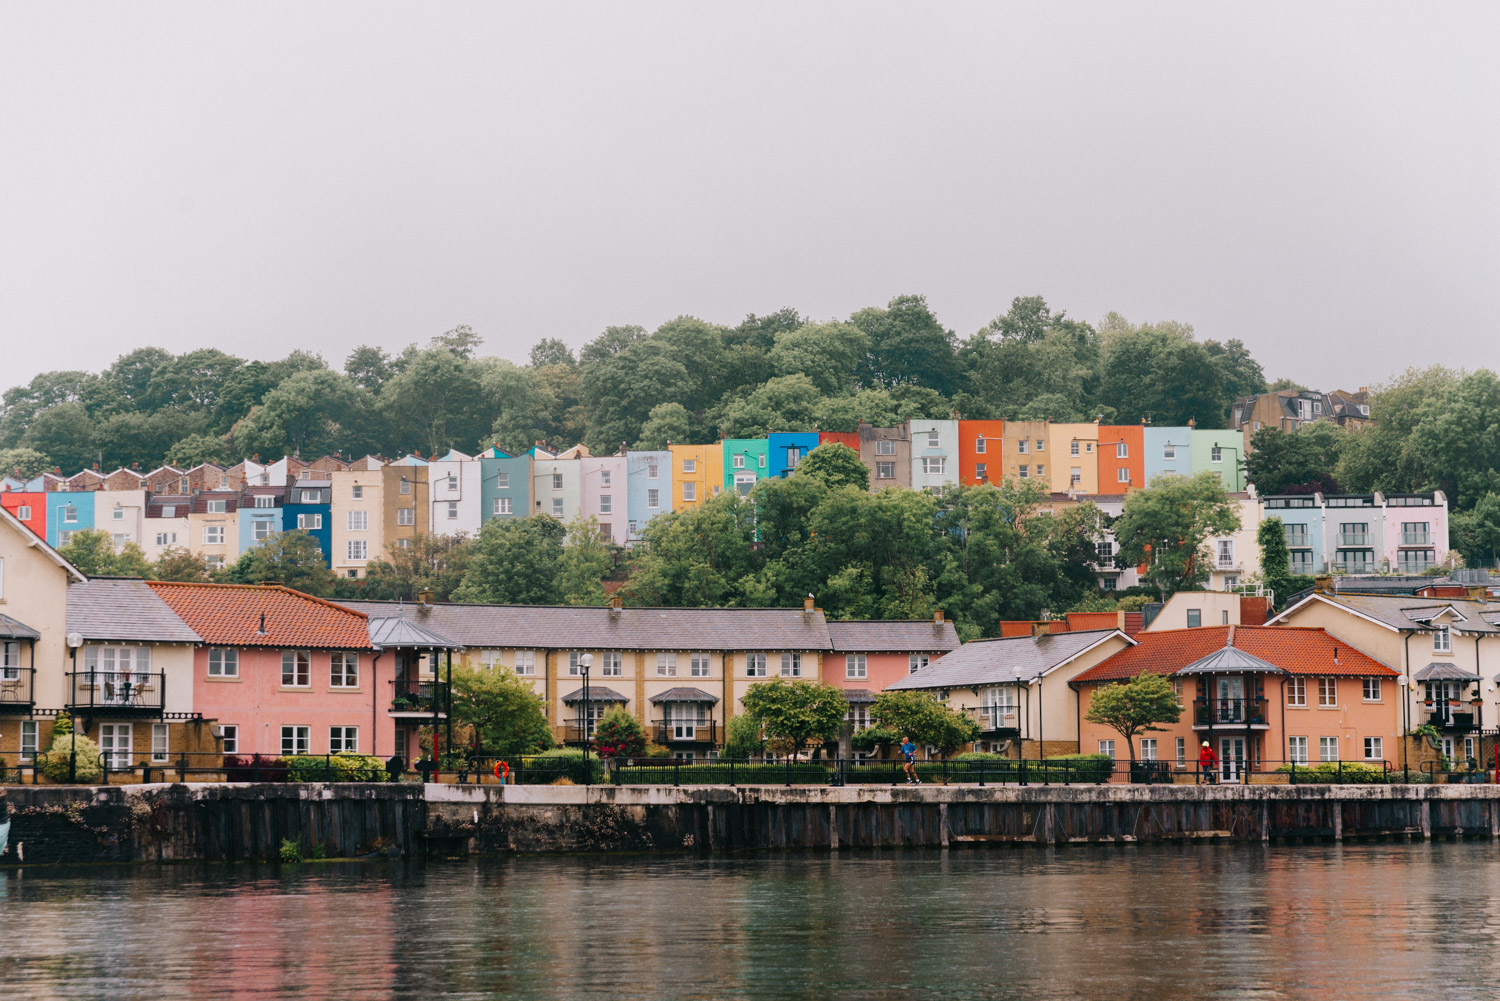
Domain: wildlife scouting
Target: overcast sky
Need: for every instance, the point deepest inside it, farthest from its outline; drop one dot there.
(1319, 180)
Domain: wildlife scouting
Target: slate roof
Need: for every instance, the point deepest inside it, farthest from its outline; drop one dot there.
(124, 610)
(1228, 660)
(1292, 649)
(858, 695)
(1444, 672)
(230, 615)
(597, 693)
(14, 629)
(678, 695)
(180, 503)
(1410, 612)
(564, 627)
(901, 636)
(395, 632)
(992, 662)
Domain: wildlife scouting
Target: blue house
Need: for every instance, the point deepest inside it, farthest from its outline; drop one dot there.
(1168, 450)
(309, 508)
(68, 512)
(1302, 519)
(648, 489)
(787, 449)
(261, 515)
(504, 485)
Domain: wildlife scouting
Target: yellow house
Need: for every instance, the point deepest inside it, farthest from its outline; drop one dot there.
(1075, 458)
(1027, 452)
(697, 474)
(358, 514)
(214, 527)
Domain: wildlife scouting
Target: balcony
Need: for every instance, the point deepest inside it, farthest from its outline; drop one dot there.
(419, 698)
(997, 722)
(669, 732)
(1229, 712)
(116, 693)
(1354, 540)
(1453, 716)
(15, 691)
(1416, 539)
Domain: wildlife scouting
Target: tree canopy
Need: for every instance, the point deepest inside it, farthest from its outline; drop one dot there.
(1141, 705)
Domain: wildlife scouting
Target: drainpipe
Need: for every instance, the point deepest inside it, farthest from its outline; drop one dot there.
(1285, 747)
(1405, 703)
(1041, 731)
(375, 704)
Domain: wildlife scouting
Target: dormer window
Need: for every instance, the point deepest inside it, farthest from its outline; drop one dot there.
(1442, 640)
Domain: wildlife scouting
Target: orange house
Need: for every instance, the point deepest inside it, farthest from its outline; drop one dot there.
(979, 456)
(28, 508)
(1260, 696)
(850, 438)
(1122, 458)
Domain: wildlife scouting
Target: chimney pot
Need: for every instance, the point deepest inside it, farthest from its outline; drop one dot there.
(1323, 584)
(937, 617)
(807, 604)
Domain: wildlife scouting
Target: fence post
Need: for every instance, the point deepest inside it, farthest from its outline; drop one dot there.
(1340, 771)
(182, 767)
(72, 762)
(981, 773)
(731, 773)
(893, 771)
(676, 771)
(945, 771)
(789, 769)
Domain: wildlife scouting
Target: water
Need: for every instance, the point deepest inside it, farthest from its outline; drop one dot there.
(1309, 922)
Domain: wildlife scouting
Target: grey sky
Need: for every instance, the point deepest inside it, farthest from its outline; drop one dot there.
(1319, 180)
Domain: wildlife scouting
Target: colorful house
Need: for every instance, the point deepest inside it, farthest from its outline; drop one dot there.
(261, 515)
(980, 451)
(121, 512)
(68, 512)
(1221, 452)
(405, 511)
(309, 508)
(649, 477)
(697, 474)
(604, 488)
(1075, 458)
(785, 450)
(29, 508)
(1025, 452)
(1168, 450)
(505, 484)
(934, 453)
(886, 452)
(1122, 457)
(167, 525)
(868, 657)
(849, 438)
(357, 535)
(746, 462)
(213, 526)
(454, 483)
(556, 485)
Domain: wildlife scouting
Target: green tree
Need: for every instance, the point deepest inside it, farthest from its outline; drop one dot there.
(799, 712)
(515, 562)
(1167, 524)
(618, 734)
(435, 563)
(1161, 373)
(698, 556)
(551, 351)
(524, 404)
(1298, 461)
(305, 413)
(290, 558)
(1476, 533)
(1275, 558)
(27, 463)
(437, 402)
(587, 558)
(1140, 705)
(369, 368)
(182, 565)
(1382, 456)
(828, 354)
(907, 345)
(502, 712)
(94, 554)
(836, 465)
(199, 448)
(785, 403)
(667, 423)
(65, 432)
(928, 722)
(742, 738)
(1457, 439)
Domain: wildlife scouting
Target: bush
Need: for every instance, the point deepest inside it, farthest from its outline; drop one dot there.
(66, 744)
(290, 851)
(618, 734)
(666, 772)
(870, 738)
(560, 762)
(974, 766)
(1353, 773)
(741, 738)
(254, 768)
(334, 768)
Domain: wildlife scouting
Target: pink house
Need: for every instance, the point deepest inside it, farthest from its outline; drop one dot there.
(603, 493)
(283, 672)
(869, 656)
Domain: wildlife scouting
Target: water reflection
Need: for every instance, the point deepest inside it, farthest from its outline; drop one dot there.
(1310, 922)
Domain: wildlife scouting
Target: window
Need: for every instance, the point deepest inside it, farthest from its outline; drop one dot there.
(1148, 748)
(1169, 451)
(1025, 472)
(1328, 748)
(612, 664)
(1442, 640)
(1328, 692)
(635, 530)
(1181, 752)
(159, 750)
(653, 469)
(933, 440)
(557, 509)
(979, 444)
(357, 492)
(1296, 750)
(885, 470)
(1216, 454)
(791, 665)
(1296, 535)
(343, 669)
(450, 482)
(1416, 560)
(230, 735)
(264, 501)
(760, 460)
(793, 457)
(296, 668)
(260, 529)
(1107, 748)
(854, 666)
(502, 481)
(689, 465)
(653, 499)
(606, 503)
(217, 507)
(114, 741)
(573, 667)
(738, 462)
(223, 663)
(557, 481)
(453, 510)
(604, 477)
(1231, 581)
(885, 447)
(406, 516)
(10, 661)
(63, 538)
(755, 665)
(120, 538)
(28, 739)
(934, 465)
(307, 497)
(216, 562)
(1225, 549)
(1041, 445)
(295, 740)
(213, 535)
(1416, 533)
(502, 505)
(169, 511)
(310, 522)
(1302, 561)
(982, 471)
(1177, 690)
(1021, 446)
(1194, 618)
(1075, 475)
(166, 538)
(1375, 748)
(358, 521)
(1296, 691)
(698, 665)
(1122, 450)
(690, 492)
(1372, 689)
(1040, 470)
(915, 662)
(343, 740)
(1354, 533)
(526, 662)
(405, 485)
(666, 665)
(403, 543)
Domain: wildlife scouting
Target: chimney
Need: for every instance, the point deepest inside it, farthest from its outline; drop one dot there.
(937, 617)
(1478, 592)
(1323, 584)
(615, 604)
(1041, 629)
(424, 597)
(807, 605)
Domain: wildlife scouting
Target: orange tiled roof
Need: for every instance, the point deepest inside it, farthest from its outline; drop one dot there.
(230, 615)
(1294, 650)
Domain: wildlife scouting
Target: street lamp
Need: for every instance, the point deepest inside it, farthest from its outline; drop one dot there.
(584, 663)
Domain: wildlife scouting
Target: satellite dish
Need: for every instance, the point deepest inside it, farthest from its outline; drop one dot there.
(75, 640)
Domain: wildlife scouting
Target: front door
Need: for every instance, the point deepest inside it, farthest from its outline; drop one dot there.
(1444, 696)
(685, 718)
(1231, 759)
(1231, 707)
(114, 742)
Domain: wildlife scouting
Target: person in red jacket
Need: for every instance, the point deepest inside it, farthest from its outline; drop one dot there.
(1208, 762)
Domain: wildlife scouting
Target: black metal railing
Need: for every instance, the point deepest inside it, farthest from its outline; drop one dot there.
(1229, 712)
(1446, 714)
(419, 696)
(999, 721)
(678, 731)
(117, 693)
(15, 691)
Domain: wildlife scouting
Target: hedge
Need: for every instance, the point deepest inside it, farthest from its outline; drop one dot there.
(717, 773)
(1329, 772)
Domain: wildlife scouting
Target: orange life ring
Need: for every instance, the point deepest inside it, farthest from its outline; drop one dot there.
(498, 766)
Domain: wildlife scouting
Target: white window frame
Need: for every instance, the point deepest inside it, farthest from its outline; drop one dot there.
(979, 445)
(1122, 450)
(1328, 746)
(295, 740)
(885, 470)
(357, 550)
(357, 492)
(689, 465)
(343, 669)
(1442, 639)
(689, 493)
(1169, 452)
(260, 529)
(216, 507)
(160, 743)
(611, 664)
(755, 665)
(606, 504)
(406, 516)
(525, 663)
(1148, 748)
(452, 510)
(653, 499)
(1371, 690)
(791, 665)
(118, 751)
(557, 507)
(737, 462)
(1107, 748)
(358, 521)
(229, 738)
(700, 665)
(1328, 692)
(856, 665)
(1375, 748)
(296, 664)
(666, 665)
(502, 505)
(1122, 475)
(343, 740)
(934, 465)
(1020, 446)
(1296, 750)
(557, 481)
(28, 745)
(653, 469)
(223, 662)
(916, 661)
(213, 535)
(263, 501)
(885, 446)
(310, 522)
(1296, 692)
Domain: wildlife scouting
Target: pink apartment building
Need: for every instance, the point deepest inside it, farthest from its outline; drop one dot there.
(869, 656)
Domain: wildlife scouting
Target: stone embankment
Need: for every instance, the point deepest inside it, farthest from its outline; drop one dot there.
(60, 824)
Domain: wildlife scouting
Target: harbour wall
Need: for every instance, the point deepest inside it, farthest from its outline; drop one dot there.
(232, 822)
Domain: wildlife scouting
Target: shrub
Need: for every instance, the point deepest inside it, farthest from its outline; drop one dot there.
(870, 738)
(67, 744)
(1352, 773)
(290, 851)
(741, 738)
(560, 762)
(618, 734)
(334, 768)
(666, 772)
(62, 724)
(254, 768)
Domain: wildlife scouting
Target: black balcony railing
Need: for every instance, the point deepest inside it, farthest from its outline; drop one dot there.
(15, 691)
(997, 721)
(1229, 712)
(419, 697)
(1453, 715)
(117, 693)
(677, 731)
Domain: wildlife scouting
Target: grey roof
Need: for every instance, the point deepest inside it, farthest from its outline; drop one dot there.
(597, 693)
(994, 662)
(1444, 672)
(681, 695)
(1410, 612)
(900, 636)
(13, 629)
(562, 627)
(858, 695)
(1230, 659)
(121, 609)
(395, 632)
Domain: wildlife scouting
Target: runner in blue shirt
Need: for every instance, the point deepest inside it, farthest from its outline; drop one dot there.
(909, 752)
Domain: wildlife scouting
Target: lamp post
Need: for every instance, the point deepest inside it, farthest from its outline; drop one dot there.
(584, 663)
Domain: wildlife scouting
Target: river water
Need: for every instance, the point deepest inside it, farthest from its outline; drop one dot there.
(1306, 922)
